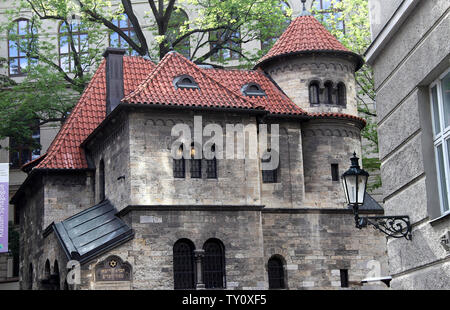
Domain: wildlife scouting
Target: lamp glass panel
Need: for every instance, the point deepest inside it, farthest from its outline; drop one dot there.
(345, 190)
(350, 181)
(362, 182)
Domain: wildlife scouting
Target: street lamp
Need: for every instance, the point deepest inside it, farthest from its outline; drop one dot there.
(354, 182)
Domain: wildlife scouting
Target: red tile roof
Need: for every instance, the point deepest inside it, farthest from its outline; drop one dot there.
(146, 83)
(337, 115)
(65, 151)
(158, 88)
(305, 34)
(275, 101)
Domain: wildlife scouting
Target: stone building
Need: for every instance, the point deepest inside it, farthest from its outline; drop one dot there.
(410, 55)
(46, 133)
(109, 194)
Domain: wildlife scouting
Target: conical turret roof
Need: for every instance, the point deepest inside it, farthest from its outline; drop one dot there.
(307, 35)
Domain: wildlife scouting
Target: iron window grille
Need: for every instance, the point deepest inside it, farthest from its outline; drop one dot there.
(196, 168)
(179, 168)
(269, 176)
(183, 265)
(276, 273)
(214, 264)
(211, 168)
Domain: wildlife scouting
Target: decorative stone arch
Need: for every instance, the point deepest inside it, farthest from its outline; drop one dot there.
(283, 274)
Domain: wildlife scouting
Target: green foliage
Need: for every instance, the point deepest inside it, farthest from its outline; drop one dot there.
(357, 38)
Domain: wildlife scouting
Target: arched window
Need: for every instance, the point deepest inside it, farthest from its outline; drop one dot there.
(30, 277)
(211, 165)
(101, 178)
(214, 264)
(56, 279)
(183, 264)
(276, 273)
(19, 37)
(77, 32)
(127, 27)
(341, 94)
(325, 12)
(47, 269)
(267, 43)
(196, 164)
(179, 20)
(179, 170)
(328, 92)
(314, 92)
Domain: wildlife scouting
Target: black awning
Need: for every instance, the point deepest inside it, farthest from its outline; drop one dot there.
(92, 232)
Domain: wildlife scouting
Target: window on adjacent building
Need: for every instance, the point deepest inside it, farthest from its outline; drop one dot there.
(77, 32)
(325, 12)
(21, 153)
(127, 27)
(344, 277)
(213, 264)
(229, 45)
(178, 20)
(276, 273)
(184, 264)
(314, 92)
(19, 38)
(440, 110)
(267, 43)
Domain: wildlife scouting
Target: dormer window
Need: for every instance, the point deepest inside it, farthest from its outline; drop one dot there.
(252, 89)
(185, 81)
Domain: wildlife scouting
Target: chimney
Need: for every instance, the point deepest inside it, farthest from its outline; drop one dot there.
(114, 77)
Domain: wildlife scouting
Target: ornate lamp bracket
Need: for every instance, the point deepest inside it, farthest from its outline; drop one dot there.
(394, 226)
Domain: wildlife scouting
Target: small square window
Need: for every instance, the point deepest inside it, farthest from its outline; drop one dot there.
(334, 172)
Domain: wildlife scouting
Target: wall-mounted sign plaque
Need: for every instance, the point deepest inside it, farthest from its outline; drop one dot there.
(113, 269)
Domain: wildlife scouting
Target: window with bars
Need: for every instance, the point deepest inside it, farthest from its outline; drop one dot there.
(276, 273)
(179, 170)
(341, 94)
(213, 264)
(19, 38)
(77, 32)
(184, 264)
(314, 92)
(196, 164)
(440, 111)
(269, 175)
(211, 165)
(115, 40)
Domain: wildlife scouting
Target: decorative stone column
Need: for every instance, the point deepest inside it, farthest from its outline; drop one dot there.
(199, 254)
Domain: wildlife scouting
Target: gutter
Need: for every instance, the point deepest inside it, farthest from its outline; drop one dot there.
(389, 30)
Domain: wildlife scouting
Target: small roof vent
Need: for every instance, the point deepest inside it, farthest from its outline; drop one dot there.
(185, 81)
(252, 89)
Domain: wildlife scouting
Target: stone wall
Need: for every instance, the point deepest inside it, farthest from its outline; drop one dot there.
(327, 142)
(315, 246)
(404, 70)
(295, 74)
(113, 147)
(156, 230)
(151, 164)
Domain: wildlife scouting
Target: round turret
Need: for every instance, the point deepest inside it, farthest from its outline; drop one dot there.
(313, 68)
